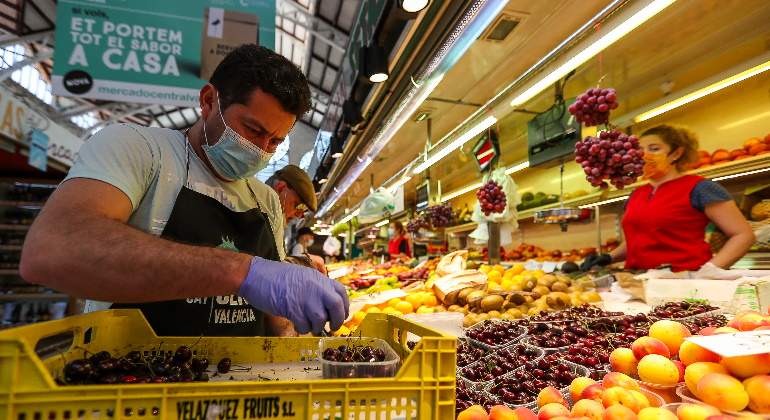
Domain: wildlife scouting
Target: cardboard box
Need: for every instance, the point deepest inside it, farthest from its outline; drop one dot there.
(224, 31)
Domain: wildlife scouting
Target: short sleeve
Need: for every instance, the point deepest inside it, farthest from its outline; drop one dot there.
(707, 192)
(120, 156)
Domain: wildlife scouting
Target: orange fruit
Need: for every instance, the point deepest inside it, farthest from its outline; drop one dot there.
(393, 302)
(430, 300)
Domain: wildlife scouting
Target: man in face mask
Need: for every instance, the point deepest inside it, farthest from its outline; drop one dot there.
(304, 241)
(295, 192)
(174, 223)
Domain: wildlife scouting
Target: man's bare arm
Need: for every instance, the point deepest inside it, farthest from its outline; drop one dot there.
(80, 244)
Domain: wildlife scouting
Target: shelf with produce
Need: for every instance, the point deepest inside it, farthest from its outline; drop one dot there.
(465, 227)
(24, 204)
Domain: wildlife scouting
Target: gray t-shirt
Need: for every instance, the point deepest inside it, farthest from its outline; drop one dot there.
(148, 165)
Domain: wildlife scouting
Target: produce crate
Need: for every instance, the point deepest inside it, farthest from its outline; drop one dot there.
(32, 357)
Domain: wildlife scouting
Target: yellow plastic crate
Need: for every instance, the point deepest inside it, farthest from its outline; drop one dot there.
(31, 357)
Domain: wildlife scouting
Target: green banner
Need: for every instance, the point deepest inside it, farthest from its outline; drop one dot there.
(151, 51)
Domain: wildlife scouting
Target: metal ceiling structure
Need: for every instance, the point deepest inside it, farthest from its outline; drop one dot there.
(311, 33)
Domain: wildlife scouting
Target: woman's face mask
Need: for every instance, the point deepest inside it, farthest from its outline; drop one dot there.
(391, 232)
(658, 158)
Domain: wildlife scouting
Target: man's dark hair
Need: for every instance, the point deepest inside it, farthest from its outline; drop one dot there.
(251, 67)
(305, 231)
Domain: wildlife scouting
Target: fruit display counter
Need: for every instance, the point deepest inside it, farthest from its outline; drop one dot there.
(613, 366)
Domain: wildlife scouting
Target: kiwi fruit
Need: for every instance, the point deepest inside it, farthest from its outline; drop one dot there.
(547, 280)
(463, 294)
(559, 287)
(494, 314)
(455, 308)
(515, 313)
(517, 299)
(473, 298)
(541, 290)
(469, 320)
(491, 303)
(451, 298)
(528, 285)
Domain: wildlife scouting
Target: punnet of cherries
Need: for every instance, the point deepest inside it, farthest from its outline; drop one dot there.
(137, 367)
(354, 353)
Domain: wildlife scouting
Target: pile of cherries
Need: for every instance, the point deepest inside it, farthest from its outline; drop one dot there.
(674, 310)
(555, 336)
(594, 357)
(137, 368)
(467, 354)
(500, 363)
(466, 396)
(578, 312)
(495, 333)
(523, 385)
(354, 353)
(698, 323)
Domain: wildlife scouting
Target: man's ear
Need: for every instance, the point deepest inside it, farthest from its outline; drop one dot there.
(280, 186)
(207, 100)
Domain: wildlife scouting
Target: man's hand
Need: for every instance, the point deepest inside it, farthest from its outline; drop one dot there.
(304, 296)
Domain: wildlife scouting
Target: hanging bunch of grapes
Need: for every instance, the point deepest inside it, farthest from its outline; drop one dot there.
(611, 155)
(491, 198)
(416, 224)
(593, 107)
(440, 215)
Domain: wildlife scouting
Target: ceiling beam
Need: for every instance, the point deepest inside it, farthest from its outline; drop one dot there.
(35, 37)
(316, 23)
(117, 116)
(40, 56)
(318, 34)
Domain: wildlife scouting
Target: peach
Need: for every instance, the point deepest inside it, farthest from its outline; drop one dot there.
(747, 366)
(680, 366)
(695, 411)
(671, 333)
(549, 411)
(588, 408)
(723, 392)
(658, 370)
(690, 353)
(725, 330)
(620, 396)
(758, 388)
(523, 413)
(593, 392)
(474, 412)
(697, 370)
(622, 360)
(722, 417)
(578, 385)
(618, 412)
(649, 345)
(641, 400)
(707, 331)
(501, 412)
(752, 321)
(550, 395)
(655, 413)
(622, 380)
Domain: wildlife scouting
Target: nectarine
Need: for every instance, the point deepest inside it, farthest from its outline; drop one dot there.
(655, 413)
(577, 386)
(690, 353)
(622, 360)
(618, 412)
(658, 370)
(622, 380)
(671, 333)
(649, 345)
(722, 391)
(550, 395)
(747, 366)
(594, 410)
(697, 370)
(549, 411)
(758, 388)
(689, 411)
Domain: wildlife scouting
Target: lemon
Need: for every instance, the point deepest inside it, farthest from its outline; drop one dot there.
(404, 307)
(374, 310)
(499, 268)
(342, 331)
(393, 302)
(391, 311)
(425, 310)
(494, 276)
(414, 299)
(517, 269)
(429, 300)
(485, 269)
(507, 285)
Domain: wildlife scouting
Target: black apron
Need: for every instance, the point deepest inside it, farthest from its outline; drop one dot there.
(198, 219)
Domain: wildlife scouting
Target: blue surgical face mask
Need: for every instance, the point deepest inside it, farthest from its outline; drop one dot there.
(391, 232)
(232, 156)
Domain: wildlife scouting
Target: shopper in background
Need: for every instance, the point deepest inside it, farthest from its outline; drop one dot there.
(295, 192)
(304, 241)
(399, 241)
(665, 221)
(175, 223)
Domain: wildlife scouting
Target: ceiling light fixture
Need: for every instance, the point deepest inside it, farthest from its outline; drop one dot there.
(375, 63)
(322, 181)
(638, 18)
(337, 155)
(382, 223)
(601, 203)
(697, 94)
(413, 6)
(349, 217)
(518, 167)
(461, 191)
(465, 137)
(738, 175)
(399, 183)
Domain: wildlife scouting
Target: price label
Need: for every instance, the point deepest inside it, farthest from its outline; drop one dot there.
(735, 344)
(549, 266)
(531, 265)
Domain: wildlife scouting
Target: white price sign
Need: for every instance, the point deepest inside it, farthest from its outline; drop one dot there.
(735, 344)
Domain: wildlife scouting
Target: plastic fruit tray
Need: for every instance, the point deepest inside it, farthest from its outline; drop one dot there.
(32, 357)
(687, 397)
(486, 359)
(547, 350)
(332, 369)
(522, 333)
(580, 371)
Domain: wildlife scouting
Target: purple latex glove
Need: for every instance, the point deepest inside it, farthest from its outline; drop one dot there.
(303, 295)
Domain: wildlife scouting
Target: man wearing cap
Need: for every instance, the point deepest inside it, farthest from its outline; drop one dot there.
(295, 191)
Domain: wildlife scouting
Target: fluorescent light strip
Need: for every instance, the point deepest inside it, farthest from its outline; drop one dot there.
(715, 87)
(757, 171)
(460, 192)
(647, 12)
(399, 183)
(465, 137)
(382, 223)
(601, 203)
(516, 168)
(349, 217)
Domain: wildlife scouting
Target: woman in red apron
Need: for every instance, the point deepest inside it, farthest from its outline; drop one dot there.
(399, 242)
(665, 220)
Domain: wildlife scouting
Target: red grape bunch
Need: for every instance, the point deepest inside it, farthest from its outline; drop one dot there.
(416, 224)
(491, 198)
(440, 215)
(593, 107)
(613, 156)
